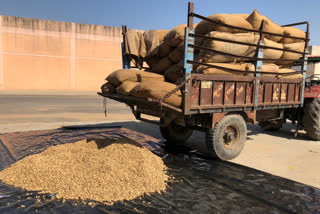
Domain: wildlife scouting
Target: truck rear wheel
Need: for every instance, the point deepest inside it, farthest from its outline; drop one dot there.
(227, 139)
(175, 134)
(311, 118)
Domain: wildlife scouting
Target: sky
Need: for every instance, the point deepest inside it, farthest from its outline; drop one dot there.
(161, 14)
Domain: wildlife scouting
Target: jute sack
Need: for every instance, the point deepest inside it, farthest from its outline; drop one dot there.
(161, 34)
(279, 75)
(107, 88)
(175, 36)
(177, 54)
(143, 48)
(205, 27)
(126, 87)
(286, 76)
(152, 61)
(161, 50)
(292, 31)
(255, 20)
(174, 72)
(221, 71)
(242, 15)
(271, 53)
(273, 68)
(156, 90)
(163, 65)
(227, 47)
(299, 46)
(267, 53)
(152, 39)
(235, 66)
(132, 43)
(135, 47)
(117, 77)
(164, 49)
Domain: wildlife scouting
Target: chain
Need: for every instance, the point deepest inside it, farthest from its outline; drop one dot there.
(173, 91)
(105, 106)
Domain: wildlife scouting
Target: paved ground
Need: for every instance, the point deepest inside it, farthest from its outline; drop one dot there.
(59, 108)
(278, 153)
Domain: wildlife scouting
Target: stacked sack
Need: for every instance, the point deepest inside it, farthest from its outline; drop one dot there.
(141, 84)
(163, 51)
(252, 21)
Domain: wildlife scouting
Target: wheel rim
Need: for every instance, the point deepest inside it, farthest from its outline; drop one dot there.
(231, 136)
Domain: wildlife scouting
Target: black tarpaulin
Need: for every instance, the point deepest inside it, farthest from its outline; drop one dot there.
(208, 186)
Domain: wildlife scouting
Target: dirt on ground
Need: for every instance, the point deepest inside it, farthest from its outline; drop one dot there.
(104, 170)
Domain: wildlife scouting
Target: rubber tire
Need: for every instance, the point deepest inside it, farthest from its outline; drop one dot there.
(311, 118)
(214, 139)
(175, 134)
(271, 125)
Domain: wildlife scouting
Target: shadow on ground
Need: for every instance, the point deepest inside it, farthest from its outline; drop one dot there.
(203, 185)
(197, 140)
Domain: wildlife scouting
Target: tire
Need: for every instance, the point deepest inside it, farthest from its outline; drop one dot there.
(311, 118)
(269, 125)
(175, 134)
(227, 139)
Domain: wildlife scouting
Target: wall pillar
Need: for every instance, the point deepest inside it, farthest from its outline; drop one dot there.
(1, 58)
(73, 56)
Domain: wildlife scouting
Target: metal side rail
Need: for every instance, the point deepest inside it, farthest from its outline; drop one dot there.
(130, 100)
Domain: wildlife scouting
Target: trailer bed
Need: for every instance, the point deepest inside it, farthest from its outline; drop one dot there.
(219, 93)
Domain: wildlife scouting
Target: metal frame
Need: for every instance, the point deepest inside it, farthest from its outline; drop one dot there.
(125, 60)
(258, 61)
(258, 65)
(305, 63)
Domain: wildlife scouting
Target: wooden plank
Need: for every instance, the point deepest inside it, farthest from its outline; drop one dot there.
(195, 88)
(297, 93)
(276, 93)
(268, 92)
(206, 93)
(291, 92)
(261, 91)
(218, 93)
(249, 93)
(240, 93)
(229, 93)
(283, 93)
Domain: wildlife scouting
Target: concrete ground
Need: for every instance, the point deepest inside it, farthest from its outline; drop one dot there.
(50, 108)
(278, 153)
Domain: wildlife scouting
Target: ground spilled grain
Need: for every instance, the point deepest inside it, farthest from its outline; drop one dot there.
(101, 169)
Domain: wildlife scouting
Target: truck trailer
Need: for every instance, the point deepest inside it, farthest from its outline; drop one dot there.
(221, 105)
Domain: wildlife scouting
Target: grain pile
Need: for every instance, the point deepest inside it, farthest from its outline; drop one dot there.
(163, 52)
(100, 170)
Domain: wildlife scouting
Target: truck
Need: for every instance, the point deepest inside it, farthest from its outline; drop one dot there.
(222, 105)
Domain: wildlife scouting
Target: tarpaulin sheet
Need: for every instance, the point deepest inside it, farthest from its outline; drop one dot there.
(207, 186)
